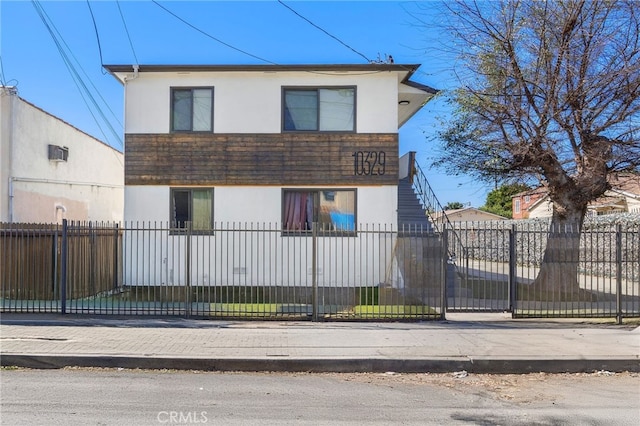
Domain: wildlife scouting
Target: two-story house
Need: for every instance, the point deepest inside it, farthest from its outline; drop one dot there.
(290, 145)
(257, 143)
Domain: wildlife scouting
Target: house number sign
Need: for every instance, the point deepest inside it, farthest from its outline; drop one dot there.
(369, 163)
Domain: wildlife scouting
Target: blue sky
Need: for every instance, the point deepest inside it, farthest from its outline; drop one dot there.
(247, 32)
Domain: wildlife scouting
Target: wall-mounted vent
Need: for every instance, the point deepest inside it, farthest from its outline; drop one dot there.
(58, 153)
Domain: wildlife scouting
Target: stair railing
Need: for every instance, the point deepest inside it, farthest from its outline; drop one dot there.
(434, 209)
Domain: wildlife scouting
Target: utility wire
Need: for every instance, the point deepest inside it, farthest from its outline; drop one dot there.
(321, 29)
(113, 114)
(82, 88)
(95, 28)
(84, 72)
(210, 36)
(40, 12)
(2, 81)
(127, 30)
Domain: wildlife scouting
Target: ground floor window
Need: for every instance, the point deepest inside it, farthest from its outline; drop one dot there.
(331, 209)
(192, 206)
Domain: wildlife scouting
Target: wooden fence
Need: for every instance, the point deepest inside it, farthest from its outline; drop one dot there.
(32, 266)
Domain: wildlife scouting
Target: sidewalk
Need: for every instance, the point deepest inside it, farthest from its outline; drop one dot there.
(491, 343)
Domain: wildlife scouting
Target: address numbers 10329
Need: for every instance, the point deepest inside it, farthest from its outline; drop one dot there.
(369, 163)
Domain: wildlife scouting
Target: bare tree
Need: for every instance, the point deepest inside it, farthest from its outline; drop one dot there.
(550, 90)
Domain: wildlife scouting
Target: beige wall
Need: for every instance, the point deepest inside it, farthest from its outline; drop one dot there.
(472, 216)
(542, 209)
(88, 186)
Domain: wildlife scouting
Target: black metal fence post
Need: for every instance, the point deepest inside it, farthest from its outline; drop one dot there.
(619, 273)
(63, 267)
(91, 235)
(314, 271)
(54, 272)
(115, 256)
(445, 274)
(187, 284)
(512, 270)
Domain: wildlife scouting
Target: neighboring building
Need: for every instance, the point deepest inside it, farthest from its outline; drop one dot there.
(287, 145)
(467, 214)
(522, 202)
(623, 197)
(49, 170)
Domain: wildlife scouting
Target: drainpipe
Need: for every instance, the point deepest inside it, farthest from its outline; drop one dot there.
(61, 208)
(12, 107)
(10, 193)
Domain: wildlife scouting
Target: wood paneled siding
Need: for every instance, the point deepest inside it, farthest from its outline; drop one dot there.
(260, 159)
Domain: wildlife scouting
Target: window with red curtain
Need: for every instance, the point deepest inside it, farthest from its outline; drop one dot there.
(331, 210)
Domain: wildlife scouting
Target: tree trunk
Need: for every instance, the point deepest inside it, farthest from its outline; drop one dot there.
(558, 276)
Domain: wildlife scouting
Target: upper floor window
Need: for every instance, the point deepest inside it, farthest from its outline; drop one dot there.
(192, 109)
(516, 205)
(319, 109)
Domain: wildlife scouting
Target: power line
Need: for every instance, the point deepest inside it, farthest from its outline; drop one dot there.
(40, 12)
(84, 72)
(324, 31)
(6, 83)
(2, 73)
(113, 114)
(82, 88)
(95, 28)
(210, 36)
(127, 30)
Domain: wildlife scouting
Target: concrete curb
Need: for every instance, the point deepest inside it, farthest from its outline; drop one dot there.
(334, 365)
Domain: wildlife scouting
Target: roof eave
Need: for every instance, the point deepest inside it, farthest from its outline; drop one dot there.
(410, 69)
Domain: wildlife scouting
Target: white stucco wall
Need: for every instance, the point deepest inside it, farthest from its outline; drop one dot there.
(154, 257)
(257, 205)
(251, 102)
(88, 186)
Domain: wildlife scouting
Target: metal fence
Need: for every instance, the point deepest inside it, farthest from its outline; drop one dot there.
(251, 271)
(243, 271)
(501, 266)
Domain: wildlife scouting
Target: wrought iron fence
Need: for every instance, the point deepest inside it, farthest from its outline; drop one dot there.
(233, 271)
(507, 267)
(260, 271)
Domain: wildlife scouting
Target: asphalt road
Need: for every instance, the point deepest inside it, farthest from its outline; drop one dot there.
(145, 397)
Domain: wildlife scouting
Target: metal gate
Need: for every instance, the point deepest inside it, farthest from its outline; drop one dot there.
(479, 274)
